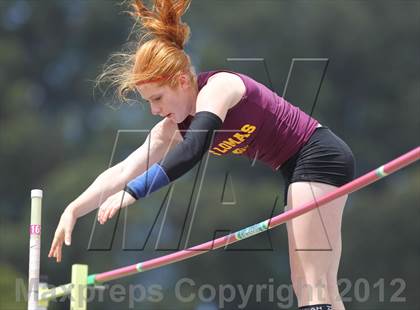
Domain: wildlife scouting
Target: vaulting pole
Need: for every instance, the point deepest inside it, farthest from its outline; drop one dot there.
(348, 188)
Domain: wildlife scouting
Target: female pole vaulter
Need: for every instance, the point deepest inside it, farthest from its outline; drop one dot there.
(312, 159)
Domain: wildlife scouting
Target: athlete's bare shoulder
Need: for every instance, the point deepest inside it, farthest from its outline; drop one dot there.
(232, 83)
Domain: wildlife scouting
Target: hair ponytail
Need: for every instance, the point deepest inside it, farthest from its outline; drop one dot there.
(164, 20)
(158, 53)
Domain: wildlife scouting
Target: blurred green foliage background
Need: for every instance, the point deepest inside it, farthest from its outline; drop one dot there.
(58, 135)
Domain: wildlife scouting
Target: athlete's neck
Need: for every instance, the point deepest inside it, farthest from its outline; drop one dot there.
(194, 100)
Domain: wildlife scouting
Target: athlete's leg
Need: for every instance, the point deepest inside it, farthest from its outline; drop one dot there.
(315, 245)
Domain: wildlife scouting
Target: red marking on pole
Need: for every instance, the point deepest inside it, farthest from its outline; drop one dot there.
(34, 229)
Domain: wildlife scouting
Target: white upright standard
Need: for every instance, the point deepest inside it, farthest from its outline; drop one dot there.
(34, 248)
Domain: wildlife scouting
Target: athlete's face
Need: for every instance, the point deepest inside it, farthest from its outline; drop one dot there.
(173, 103)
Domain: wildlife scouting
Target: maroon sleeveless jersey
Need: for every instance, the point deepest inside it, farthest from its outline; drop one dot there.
(262, 125)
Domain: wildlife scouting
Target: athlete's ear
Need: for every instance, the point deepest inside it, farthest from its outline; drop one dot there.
(183, 81)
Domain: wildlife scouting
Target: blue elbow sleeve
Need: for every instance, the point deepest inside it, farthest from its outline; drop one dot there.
(148, 182)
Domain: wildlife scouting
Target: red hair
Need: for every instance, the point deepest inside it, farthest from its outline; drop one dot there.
(158, 54)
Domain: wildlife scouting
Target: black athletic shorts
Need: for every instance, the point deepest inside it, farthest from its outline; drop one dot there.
(325, 158)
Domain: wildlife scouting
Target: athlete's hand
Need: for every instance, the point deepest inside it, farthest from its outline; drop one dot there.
(111, 206)
(62, 233)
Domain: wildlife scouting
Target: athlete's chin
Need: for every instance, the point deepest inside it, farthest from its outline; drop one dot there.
(173, 118)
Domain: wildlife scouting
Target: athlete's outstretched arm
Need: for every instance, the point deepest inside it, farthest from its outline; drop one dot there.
(214, 100)
(162, 137)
